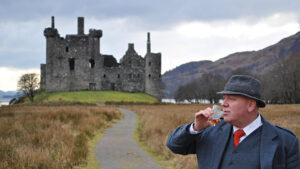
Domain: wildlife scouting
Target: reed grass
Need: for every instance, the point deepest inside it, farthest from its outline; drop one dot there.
(49, 137)
(157, 122)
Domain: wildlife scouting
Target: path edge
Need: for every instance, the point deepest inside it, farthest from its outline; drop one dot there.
(91, 160)
(156, 157)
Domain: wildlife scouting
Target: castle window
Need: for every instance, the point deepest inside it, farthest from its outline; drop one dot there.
(72, 63)
(104, 76)
(92, 63)
(92, 86)
(149, 63)
(67, 49)
(118, 75)
(149, 76)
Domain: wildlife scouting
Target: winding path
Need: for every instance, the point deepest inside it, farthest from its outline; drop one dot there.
(118, 150)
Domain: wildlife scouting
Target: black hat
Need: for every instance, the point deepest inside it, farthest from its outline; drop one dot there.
(246, 86)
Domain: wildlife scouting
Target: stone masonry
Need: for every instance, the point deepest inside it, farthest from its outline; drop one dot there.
(75, 63)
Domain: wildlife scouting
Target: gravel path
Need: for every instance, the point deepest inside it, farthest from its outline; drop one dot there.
(118, 150)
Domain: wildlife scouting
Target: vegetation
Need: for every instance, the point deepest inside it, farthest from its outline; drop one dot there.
(50, 137)
(157, 122)
(94, 97)
(29, 84)
(282, 85)
(279, 86)
(203, 88)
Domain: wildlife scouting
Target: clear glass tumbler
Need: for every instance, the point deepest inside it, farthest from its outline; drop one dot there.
(217, 114)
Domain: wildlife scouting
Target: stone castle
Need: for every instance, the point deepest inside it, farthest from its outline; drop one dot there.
(75, 63)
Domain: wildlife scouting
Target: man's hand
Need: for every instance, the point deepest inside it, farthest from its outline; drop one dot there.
(202, 119)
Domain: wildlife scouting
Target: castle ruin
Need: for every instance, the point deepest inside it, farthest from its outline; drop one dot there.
(75, 63)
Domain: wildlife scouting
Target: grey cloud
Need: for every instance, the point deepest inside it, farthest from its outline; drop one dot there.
(143, 14)
(147, 13)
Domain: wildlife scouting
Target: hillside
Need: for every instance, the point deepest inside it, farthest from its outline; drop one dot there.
(257, 62)
(9, 94)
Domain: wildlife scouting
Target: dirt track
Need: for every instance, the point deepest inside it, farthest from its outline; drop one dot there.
(118, 150)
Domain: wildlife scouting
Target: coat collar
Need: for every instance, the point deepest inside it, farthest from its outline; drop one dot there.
(224, 132)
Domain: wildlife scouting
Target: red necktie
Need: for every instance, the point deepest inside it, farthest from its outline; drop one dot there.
(237, 135)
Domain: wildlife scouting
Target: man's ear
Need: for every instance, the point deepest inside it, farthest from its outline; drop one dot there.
(252, 105)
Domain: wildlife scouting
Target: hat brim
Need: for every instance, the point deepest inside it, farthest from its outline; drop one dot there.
(260, 103)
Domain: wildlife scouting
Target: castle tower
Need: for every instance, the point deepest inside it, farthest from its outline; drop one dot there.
(153, 82)
(52, 36)
(148, 43)
(80, 25)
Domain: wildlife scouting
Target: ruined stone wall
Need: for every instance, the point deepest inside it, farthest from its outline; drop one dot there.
(133, 71)
(75, 63)
(43, 77)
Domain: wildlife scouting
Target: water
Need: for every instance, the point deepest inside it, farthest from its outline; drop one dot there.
(4, 101)
(185, 101)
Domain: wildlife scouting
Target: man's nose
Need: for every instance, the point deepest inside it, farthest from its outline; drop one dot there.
(224, 103)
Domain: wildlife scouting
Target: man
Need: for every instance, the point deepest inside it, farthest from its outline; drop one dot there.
(243, 140)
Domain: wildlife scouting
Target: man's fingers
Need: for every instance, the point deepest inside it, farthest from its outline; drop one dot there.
(204, 113)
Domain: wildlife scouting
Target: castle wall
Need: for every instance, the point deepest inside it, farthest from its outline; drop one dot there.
(43, 76)
(75, 63)
(133, 74)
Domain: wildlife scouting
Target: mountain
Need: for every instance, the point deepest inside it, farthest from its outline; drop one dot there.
(256, 62)
(9, 94)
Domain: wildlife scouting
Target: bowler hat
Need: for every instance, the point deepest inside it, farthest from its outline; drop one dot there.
(244, 85)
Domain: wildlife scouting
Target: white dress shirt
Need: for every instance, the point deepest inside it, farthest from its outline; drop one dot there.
(250, 127)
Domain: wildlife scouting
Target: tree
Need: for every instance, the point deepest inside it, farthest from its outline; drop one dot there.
(29, 84)
(282, 85)
(203, 88)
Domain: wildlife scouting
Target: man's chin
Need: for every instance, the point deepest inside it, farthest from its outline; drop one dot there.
(226, 119)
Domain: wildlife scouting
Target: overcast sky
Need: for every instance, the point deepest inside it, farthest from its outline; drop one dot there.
(183, 31)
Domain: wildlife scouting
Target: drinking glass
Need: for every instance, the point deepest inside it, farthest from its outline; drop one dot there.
(217, 114)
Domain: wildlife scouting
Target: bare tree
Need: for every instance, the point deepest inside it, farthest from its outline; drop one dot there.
(282, 85)
(29, 84)
(203, 88)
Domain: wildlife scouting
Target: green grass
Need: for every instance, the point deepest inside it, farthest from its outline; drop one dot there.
(94, 97)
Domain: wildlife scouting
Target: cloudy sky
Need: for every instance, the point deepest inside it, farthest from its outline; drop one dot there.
(183, 31)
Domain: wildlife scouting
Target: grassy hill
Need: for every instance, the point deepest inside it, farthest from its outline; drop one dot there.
(94, 97)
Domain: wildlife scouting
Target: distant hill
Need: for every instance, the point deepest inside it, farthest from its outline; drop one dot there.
(257, 62)
(9, 94)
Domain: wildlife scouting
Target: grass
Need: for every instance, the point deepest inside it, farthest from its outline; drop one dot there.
(65, 136)
(94, 97)
(157, 122)
(50, 137)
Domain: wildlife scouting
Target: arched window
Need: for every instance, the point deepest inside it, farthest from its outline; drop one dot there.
(67, 49)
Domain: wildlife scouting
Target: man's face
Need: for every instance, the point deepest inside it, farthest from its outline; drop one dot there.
(236, 110)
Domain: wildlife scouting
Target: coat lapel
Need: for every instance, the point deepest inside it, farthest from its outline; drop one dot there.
(224, 133)
(267, 145)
